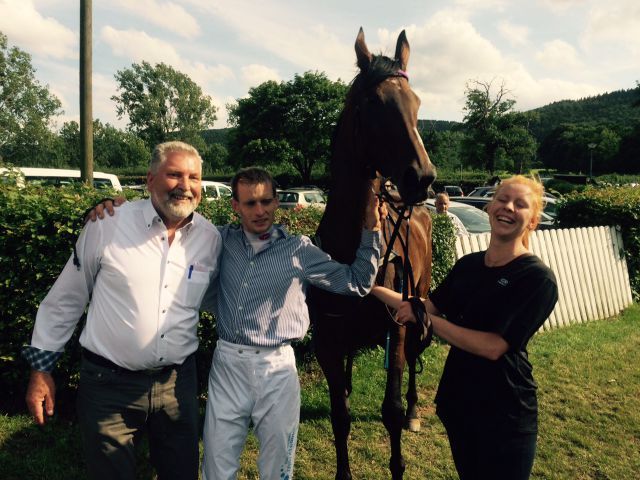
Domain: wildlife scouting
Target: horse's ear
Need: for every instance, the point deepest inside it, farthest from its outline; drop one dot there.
(362, 52)
(402, 50)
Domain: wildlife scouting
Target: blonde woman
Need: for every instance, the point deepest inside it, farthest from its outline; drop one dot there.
(487, 309)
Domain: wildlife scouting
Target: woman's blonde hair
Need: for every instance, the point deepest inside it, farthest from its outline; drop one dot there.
(537, 192)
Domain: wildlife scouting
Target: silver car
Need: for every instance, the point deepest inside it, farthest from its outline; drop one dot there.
(473, 219)
(302, 198)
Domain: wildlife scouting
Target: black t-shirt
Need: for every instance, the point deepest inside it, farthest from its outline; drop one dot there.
(513, 301)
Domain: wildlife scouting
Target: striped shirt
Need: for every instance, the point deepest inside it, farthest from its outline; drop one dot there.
(261, 297)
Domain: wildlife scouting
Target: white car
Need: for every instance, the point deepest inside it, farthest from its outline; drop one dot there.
(58, 176)
(213, 190)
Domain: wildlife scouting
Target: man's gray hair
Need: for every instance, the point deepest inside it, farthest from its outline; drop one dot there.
(162, 151)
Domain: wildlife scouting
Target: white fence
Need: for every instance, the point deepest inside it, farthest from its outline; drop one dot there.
(589, 264)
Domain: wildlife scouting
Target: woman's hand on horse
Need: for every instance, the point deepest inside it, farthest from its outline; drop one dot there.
(108, 205)
(404, 313)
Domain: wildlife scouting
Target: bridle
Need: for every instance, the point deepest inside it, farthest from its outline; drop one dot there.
(403, 215)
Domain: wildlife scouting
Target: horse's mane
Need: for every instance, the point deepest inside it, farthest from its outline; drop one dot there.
(380, 68)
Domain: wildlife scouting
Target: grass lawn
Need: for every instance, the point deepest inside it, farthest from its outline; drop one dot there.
(589, 379)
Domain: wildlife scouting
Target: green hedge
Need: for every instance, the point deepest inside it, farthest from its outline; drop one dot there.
(38, 226)
(619, 206)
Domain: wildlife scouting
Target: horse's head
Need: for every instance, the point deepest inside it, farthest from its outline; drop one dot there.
(385, 116)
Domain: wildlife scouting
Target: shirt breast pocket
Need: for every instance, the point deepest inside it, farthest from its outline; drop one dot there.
(195, 285)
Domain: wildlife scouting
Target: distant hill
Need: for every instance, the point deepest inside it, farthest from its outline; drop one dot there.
(215, 135)
(436, 125)
(609, 108)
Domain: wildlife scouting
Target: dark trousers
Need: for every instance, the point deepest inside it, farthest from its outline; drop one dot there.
(116, 406)
(483, 452)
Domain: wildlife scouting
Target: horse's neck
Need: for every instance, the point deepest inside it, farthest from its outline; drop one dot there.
(341, 225)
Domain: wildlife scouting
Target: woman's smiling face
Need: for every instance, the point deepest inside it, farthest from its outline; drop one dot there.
(511, 211)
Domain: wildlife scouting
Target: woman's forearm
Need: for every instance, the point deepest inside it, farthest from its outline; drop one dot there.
(484, 344)
(388, 296)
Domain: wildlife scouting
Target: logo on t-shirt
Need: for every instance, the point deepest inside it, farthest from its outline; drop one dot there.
(503, 282)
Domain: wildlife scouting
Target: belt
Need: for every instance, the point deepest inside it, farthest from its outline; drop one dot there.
(106, 363)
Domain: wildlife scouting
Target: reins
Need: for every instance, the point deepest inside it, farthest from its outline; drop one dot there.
(408, 287)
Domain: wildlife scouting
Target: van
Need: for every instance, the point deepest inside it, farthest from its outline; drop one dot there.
(58, 177)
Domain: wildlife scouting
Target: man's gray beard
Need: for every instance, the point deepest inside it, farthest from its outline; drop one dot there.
(180, 211)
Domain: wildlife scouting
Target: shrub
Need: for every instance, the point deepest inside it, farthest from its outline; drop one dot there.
(608, 206)
(38, 227)
(443, 241)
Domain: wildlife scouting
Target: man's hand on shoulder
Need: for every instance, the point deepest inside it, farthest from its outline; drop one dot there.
(108, 204)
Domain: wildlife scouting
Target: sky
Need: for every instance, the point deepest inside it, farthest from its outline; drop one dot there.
(542, 50)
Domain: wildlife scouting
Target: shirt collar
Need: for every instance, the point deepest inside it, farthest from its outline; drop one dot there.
(278, 231)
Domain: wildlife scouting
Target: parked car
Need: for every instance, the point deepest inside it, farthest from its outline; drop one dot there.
(213, 190)
(481, 192)
(473, 219)
(57, 176)
(488, 192)
(294, 197)
(453, 190)
(546, 219)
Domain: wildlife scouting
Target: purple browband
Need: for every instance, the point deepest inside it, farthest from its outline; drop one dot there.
(402, 73)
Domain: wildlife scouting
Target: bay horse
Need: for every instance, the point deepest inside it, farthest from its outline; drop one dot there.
(376, 137)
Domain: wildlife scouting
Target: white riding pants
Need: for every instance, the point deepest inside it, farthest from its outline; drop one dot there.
(258, 385)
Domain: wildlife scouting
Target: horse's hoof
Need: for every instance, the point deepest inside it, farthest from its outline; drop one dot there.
(412, 424)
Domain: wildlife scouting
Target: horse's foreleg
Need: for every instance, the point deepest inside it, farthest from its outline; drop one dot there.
(411, 420)
(348, 373)
(333, 368)
(392, 408)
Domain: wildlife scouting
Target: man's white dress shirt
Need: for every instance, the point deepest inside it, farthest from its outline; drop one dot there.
(144, 294)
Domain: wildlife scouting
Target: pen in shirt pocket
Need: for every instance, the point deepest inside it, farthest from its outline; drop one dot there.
(190, 271)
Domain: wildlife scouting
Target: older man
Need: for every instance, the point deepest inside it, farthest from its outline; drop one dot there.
(442, 206)
(145, 272)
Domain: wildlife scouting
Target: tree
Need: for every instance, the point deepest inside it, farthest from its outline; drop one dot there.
(214, 157)
(444, 147)
(566, 148)
(287, 122)
(112, 148)
(26, 109)
(495, 133)
(162, 103)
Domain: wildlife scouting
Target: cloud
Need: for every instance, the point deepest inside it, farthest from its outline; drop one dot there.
(138, 46)
(558, 54)
(615, 25)
(29, 30)
(482, 4)
(253, 75)
(514, 34)
(561, 6)
(289, 34)
(167, 15)
(222, 114)
(447, 51)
